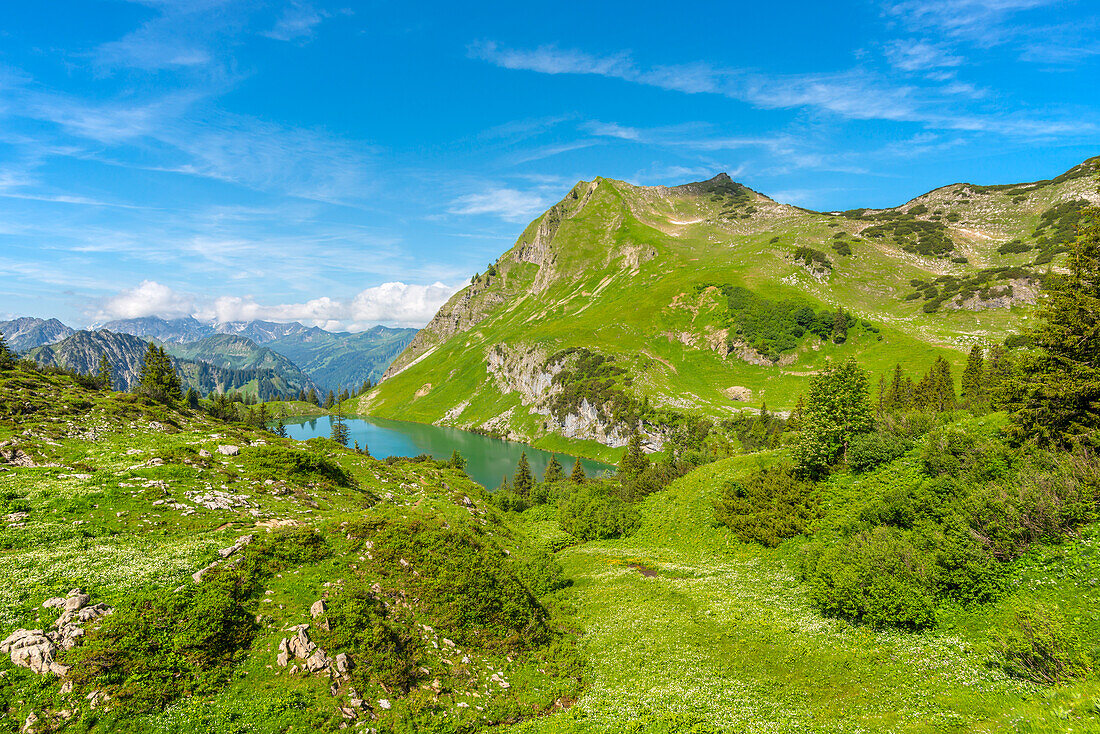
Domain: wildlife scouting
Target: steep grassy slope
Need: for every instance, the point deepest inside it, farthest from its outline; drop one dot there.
(693, 291)
(402, 567)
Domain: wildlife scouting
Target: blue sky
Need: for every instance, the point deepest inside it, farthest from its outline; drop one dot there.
(353, 163)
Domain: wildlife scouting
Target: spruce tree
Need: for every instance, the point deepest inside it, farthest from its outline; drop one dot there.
(7, 358)
(840, 326)
(104, 375)
(523, 480)
(158, 379)
(191, 398)
(280, 428)
(1055, 400)
(553, 471)
(998, 377)
(339, 432)
(312, 397)
(634, 461)
(577, 476)
(302, 395)
(344, 395)
(973, 379)
(837, 409)
(458, 461)
(330, 400)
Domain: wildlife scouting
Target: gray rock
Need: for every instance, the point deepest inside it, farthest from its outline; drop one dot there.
(317, 609)
(300, 646)
(241, 543)
(317, 661)
(343, 663)
(225, 450)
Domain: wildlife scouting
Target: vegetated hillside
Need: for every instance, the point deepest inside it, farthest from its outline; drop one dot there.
(165, 571)
(333, 360)
(240, 353)
(622, 301)
(27, 333)
(344, 360)
(81, 351)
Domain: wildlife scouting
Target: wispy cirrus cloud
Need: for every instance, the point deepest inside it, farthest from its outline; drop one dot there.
(920, 55)
(986, 22)
(297, 22)
(855, 94)
(509, 204)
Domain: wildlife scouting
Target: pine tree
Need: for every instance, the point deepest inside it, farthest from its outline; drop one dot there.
(262, 417)
(553, 471)
(794, 421)
(943, 386)
(302, 395)
(191, 398)
(458, 461)
(7, 358)
(280, 428)
(330, 400)
(998, 377)
(312, 397)
(344, 395)
(1055, 400)
(365, 388)
(973, 379)
(634, 461)
(105, 375)
(503, 485)
(837, 409)
(523, 480)
(577, 476)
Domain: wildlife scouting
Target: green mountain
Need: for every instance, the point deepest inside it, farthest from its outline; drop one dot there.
(239, 353)
(342, 359)
(623, 301)
(333, 360)
(271, 378)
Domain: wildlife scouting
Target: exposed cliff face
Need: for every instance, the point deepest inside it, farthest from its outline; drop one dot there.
(526, 372)
(27, 333)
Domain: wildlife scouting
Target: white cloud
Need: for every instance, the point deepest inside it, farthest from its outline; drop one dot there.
(981, 21)
(297, 21)
(395, 303)
(508, 204)
(913, 55)
(148, 299)
(612, 130)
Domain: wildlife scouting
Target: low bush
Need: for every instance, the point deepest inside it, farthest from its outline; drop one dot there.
(464, 582)
(877, 576)
(1036, 642)
(282, 462)
(591, 512)
(769, 506)
(869, 450)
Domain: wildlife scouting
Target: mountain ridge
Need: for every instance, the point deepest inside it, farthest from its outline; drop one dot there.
(678, 285)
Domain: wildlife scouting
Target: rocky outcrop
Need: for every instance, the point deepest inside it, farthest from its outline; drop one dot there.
(36, 650)
(1018, 292)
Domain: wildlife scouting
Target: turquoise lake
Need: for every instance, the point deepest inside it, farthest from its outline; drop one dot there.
(488, 460)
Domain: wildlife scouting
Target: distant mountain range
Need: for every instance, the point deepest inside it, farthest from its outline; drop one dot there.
(298, 354)
(208, 371)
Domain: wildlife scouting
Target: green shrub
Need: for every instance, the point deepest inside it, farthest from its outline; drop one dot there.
(1036, 642)
(877, 576)
(285, 463)
(540, 572)
(384, 650)
(161, 645)
(869, 450)
(590, 512)
(768, 506)
(463, 582)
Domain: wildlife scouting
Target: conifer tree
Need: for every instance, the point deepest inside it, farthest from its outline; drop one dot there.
(344, 395)
(191, 398)
(503, 485)
(330, 400)
(840, 326)
(577, 476)
(837, 409)
(458, 461)
(634, 461)
(998, 376)
(158, 379)
(973, 379)
(553, 471)
(104, 374)
(280, 429)
(339, 432)
(1055, 400)
(302, 395)
(7, 358)
(312, 397)
(794, 420)
(523, 480)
